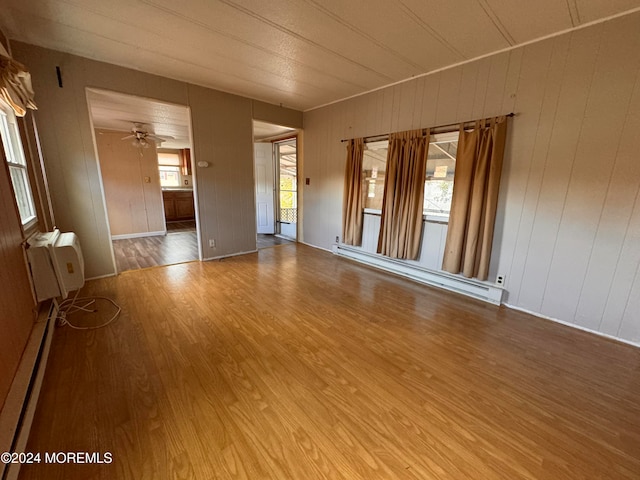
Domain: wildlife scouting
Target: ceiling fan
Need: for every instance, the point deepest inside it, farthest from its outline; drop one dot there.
(141, 137)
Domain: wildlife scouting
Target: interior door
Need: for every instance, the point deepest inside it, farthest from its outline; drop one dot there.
(264, 187)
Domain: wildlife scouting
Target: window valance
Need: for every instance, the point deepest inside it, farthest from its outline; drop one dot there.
(15, 84)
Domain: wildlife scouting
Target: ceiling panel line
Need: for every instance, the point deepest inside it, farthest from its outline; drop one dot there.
(220, 55)
(428, 28)
(574, 13)
(175, 59)
(365, 35)
(484, 4)
(290, 32)
(480, 57)
(236, 38)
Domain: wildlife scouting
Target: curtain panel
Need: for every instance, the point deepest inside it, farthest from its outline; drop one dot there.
(403, 198)
(15, 84)
(352, 206)
(475, 198)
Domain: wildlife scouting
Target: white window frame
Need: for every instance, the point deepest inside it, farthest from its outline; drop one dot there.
(17, 163)
(428, 215)
(170, 167)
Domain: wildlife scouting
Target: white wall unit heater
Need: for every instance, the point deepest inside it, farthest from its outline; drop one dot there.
(56, 264)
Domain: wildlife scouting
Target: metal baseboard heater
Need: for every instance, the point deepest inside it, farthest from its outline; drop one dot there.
(19, 408)
(455, 283)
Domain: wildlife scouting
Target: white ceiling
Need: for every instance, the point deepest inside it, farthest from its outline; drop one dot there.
(116, 111)
(299, 53)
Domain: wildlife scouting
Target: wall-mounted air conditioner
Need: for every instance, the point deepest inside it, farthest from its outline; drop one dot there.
(56, 264)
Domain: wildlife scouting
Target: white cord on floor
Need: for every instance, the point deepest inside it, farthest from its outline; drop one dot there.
(71, 305)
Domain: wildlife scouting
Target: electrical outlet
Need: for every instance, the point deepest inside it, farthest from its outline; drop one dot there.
(212, 243)
(500, 280)
(337, 239)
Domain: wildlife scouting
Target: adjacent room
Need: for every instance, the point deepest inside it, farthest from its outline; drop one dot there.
(311, 240)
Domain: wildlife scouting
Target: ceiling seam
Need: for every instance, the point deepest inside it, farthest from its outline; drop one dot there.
(428, 28)
(118, 20)
(496, 21)
(287, 31)
(250, 44)
(365, 35)
(269, 87)
(480, 57)
(572, 12)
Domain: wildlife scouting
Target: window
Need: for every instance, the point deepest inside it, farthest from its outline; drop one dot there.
(438, 185)
(374, 164)
(169, 168)
(441, 168)
(17, 164)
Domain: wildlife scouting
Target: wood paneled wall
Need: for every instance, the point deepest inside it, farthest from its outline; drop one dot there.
(568, 227)
(134, 206)
(222, 136)
(17, 308)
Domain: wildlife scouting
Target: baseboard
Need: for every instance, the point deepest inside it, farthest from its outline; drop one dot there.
(139, 235)
(574, 325)
(19, 409)
(319, 248)
(485, 291)
(97, 277)
(208, 259)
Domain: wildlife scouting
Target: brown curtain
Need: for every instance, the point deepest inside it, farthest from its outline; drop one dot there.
(402, 202)
(475, 198)
(185, 161)
(353, 202)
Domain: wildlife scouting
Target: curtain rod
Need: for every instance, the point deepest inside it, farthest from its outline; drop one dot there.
(382, 136)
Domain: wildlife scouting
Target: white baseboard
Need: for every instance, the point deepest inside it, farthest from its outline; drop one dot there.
(574, 325)
(139, 235)
(229, 255)
(19, 408)
(485, 291)
(330, 250)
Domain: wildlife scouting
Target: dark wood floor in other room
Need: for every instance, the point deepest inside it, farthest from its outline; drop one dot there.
(268, 241)
(295, 364)
(177, 246)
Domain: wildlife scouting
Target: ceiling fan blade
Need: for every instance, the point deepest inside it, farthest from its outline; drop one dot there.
(159, 138)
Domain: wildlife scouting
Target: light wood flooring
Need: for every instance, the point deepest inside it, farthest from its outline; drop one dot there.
(292, 363)
(177, 246)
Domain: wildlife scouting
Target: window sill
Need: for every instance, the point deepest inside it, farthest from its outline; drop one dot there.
(429, 217)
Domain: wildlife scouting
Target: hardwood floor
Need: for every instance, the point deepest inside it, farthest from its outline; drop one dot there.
(176, 247)
(181, 226)
(267, 241)
(293, 363)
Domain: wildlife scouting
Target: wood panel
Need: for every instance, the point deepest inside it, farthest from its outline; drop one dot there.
(296, 364)
(223, 139)
(565, 235)
(134, 204)
(18, 313)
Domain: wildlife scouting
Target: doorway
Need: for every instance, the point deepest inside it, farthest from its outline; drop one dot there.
(275, 151)
(143, 148)
(285, 153)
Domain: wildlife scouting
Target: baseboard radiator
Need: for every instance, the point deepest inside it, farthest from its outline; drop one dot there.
(19, 408)
(455, 283)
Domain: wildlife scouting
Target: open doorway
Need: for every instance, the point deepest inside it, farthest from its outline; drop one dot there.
(276, 184)
(144, 154)
(287, 188)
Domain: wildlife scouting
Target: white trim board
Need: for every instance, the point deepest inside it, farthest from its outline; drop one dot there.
(19, 408)
(138, 235)
(472, 288)
(574, 325)
(208, 259)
